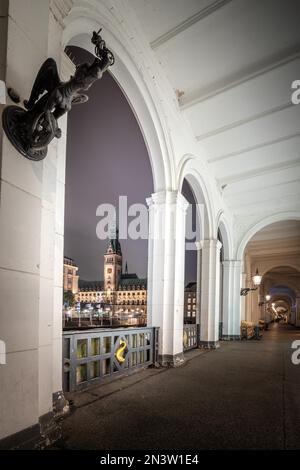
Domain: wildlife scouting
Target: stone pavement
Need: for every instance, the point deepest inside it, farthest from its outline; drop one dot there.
(245, 395)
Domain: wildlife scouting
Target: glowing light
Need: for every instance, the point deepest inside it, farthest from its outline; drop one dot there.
(256, 278)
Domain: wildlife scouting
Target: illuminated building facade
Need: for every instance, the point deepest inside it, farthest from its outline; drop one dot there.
(70, 276)
(121, 293)
(190, 303)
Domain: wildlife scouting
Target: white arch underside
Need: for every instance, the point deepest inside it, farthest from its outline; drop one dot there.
(128, 77)
(279, 217)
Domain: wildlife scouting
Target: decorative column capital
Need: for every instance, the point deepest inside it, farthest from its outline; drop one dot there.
(199, 245)
(181, 201)
(211, 243)
(167, 198)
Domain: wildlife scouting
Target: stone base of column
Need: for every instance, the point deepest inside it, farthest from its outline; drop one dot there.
(231, 338)
(50, 431)
(60, 404)
(167, 360)
(39, 436)
(208, 344)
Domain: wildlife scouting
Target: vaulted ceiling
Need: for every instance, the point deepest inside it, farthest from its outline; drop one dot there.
(276, 239)
(231, 64)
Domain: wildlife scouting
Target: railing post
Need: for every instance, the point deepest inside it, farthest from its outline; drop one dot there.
(198, 335)
(72, 380)
(155, 346)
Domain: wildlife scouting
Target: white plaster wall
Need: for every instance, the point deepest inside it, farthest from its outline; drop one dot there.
(31, 228)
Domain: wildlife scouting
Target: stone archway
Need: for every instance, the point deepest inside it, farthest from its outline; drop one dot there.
(226, 268)
(281, 283)
(32, 236)
(250, 232)
(208, 256)
(144, 102)
(128, 76)
(273, 246)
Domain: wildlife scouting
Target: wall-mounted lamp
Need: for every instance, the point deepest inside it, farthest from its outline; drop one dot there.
(268, 297)
(256, 279)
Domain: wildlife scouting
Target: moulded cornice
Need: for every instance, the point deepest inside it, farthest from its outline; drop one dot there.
(188, 23)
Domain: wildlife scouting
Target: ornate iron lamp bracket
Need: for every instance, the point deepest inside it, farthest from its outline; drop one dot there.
(245, 290)
(30, 130)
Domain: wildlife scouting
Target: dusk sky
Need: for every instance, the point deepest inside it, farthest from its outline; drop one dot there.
(106, 157)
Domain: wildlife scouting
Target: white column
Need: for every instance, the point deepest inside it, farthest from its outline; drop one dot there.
(247, 282)
(210, 296)
(255, 309)
(198, 292)
(166, 254)
(29, 318)
(243, 298)
(221, 301)
(232, 299)
(58, 150)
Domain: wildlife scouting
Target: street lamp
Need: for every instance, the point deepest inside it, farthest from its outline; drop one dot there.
(256, 279)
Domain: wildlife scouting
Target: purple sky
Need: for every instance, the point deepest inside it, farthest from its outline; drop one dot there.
(106, 157)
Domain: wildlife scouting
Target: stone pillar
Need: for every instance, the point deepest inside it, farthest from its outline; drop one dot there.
(232, 299)
(221, 294)
(247, 282)
(58, 149)
(166, 254)
(244, 310)
(255, 309)
(198, 291)
(210, 296)
(31, 250)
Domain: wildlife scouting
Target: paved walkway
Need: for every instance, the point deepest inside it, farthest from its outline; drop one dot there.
(245, 395)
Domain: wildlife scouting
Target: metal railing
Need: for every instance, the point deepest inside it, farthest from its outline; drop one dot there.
(190, 336)
(95, 356)
(104, 320)
(220, 330)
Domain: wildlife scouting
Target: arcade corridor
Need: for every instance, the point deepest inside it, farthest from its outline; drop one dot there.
(244, 395)
(212, 89)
